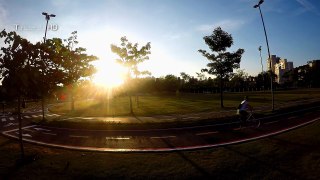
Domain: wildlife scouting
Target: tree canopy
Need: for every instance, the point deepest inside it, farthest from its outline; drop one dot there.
(221, 62)
(130, 55)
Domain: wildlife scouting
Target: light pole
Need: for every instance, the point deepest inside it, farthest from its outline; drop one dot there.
(270, 63)
(261, 68)
(47, 16)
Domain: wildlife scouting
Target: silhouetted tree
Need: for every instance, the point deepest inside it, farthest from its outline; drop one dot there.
(186, 77)
(237, 80)
(18, 70)
(130, 56)
(76, 64)
(171, 83)
(221, 63)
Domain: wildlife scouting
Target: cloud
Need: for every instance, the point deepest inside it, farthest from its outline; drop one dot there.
(308, 6)
(228, 25)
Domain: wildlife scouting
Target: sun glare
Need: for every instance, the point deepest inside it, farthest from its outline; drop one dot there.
(109, 74)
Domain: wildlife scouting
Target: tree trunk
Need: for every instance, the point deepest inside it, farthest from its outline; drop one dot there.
(221, 93)
(42, 107)
(137, 100)
(72, 100)
(131, 109)
(20, 128)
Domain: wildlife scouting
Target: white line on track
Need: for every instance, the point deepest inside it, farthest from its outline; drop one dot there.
(163, 137)
(117, 138)
(12, 130)
(24, 135)
(170, 119)
(28, 117)
(34, 116)
(3, 120)
(10, 124)
(49, 133)
(11, 118)
(190, 117)
(207, 133)
(30, 130)
(271, 122)
(75, 136)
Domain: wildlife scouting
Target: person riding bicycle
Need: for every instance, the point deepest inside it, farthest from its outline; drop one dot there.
(243, 109)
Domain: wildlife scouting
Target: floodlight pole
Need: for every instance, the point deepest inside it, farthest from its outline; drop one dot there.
(261, 68)
(270, 62)
(47, 16)
(47, 19)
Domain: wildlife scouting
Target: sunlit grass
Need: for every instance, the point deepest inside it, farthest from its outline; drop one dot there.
(147, 105)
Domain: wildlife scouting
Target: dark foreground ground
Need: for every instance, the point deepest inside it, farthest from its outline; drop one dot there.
(292, 155)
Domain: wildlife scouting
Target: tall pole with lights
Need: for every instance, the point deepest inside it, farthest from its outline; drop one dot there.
(261, 68)
(47, 16)
(270, 62)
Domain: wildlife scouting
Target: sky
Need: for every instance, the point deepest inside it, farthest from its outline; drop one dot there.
(175, 28)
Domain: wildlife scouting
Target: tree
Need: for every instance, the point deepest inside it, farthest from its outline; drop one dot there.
(290, 78)
(130, 56)
(76, 64)
(50, 72)
(17, 64)
(201, 76)
(186, 77)
(222, 62)
(171, 83)
(237, 80)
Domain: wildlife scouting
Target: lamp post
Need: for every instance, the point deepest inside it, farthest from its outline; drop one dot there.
(47, 16)
(261, 68)
(270, 62)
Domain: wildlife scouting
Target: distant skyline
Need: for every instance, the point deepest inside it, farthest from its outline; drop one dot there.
(175, 28)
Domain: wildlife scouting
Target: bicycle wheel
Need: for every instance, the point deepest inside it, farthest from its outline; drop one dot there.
(256, 121)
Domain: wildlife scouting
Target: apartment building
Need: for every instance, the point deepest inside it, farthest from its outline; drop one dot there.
(279, 67)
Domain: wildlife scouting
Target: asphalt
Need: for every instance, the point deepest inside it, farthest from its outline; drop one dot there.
(187, 137)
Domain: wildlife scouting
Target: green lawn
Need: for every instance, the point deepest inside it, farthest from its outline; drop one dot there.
(293, 155)
(182, 104)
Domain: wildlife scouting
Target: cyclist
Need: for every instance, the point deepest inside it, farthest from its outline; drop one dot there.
(243, 110)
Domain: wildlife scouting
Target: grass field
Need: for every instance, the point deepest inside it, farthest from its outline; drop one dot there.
(184, 103)
(293, 155)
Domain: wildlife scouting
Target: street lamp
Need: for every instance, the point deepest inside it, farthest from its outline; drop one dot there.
(47, 18)
(261, 68)
(270, 63)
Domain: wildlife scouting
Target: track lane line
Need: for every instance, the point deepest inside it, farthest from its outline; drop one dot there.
(163, 137)
(207, 133)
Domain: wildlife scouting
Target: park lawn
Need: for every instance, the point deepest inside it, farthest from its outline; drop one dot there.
(292, 155)
(150, 105)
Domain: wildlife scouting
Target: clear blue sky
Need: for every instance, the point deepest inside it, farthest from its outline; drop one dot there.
(175, 28)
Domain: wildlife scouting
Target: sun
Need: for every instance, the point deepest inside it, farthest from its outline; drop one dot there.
(109, 74)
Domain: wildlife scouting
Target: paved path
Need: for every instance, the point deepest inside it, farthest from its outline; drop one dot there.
(157, 140)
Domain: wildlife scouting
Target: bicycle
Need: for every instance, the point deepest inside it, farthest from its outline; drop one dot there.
(250, 119)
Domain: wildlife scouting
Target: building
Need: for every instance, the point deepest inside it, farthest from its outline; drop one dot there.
(274, 59)
(314, 64)
(279, 67)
